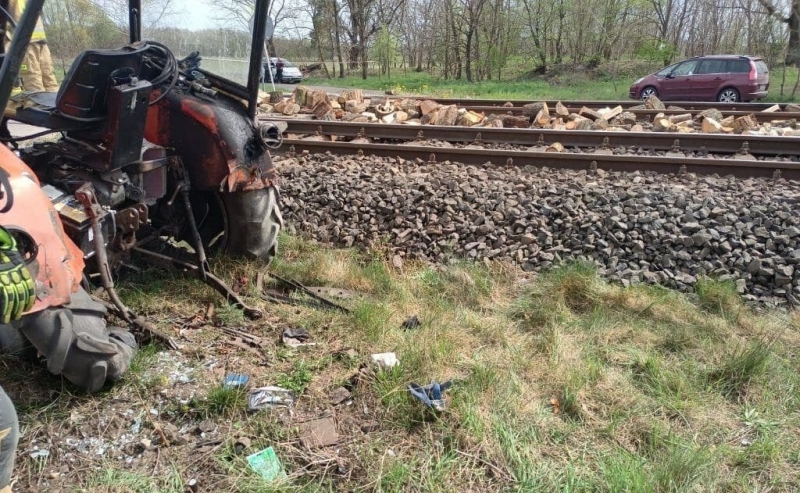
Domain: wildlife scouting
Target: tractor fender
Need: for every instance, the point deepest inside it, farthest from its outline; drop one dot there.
(215, 139)
(58, 267)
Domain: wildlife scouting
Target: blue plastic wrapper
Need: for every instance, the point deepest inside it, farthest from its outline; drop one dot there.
(235, 380)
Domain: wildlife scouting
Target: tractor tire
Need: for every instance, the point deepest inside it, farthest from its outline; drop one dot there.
(254, 220)
(240, 224)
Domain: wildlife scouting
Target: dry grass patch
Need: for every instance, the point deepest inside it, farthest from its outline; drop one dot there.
(562, 383)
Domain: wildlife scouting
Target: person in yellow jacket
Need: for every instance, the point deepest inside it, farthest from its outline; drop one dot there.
(36, 73)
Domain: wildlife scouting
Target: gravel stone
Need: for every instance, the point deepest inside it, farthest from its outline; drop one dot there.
(636, 227)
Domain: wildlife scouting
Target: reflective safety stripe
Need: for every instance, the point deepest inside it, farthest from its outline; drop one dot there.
(16, 7)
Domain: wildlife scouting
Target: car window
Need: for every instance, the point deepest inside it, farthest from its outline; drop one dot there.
(287, 63)
(761, 67)
(685, 68)
(711, 67)
(666, 70)
(738, 66)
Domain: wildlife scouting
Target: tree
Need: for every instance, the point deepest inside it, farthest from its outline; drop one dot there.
(792, 20)
(238, 14)
(365, 19)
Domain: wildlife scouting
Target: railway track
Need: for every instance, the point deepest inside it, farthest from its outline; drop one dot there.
(762, 146)
(742, 168)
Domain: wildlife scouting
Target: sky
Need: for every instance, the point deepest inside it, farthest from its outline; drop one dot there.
(194, 14)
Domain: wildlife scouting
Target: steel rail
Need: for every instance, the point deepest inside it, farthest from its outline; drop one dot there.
(759, 145)
(566, 160)
(646, 114)
(594, 104)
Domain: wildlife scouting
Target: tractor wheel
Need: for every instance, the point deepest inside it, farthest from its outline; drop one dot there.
(244, 224)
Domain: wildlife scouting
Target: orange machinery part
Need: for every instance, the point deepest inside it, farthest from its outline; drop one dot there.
(60, 261)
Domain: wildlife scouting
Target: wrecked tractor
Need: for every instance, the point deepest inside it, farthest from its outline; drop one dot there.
(156, 147)
(152, 151)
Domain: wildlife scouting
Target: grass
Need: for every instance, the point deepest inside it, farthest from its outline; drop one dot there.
(607, 83)
(562, 383)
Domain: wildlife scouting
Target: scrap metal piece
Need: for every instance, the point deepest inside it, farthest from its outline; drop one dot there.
(215, 282)
(296, 286)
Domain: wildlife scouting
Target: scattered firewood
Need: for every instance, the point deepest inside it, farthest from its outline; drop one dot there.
(589, 113)
(322, 108)
(299, 95)
(710, 126)
(427, 106)
(351, 95)
(662, 125)
(555, 147)
(772, 109)
(511, 121)
(685, 117)
(609, 114)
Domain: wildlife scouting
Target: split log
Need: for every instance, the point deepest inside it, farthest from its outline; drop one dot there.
(472, 118)
(511, 121)
(448, 115)
(710, 126)
(542, 119)
(532, 109)
(570, 125)
(427, 106)
(313, 98)
(712, 113)
(555, 147)
(589, 113)
(291, 109)
(561, 110)
(430, 118)
(744, 123)
(653, 103)
(662, 125)
(627, 118)
(275, 96)
(321, 109)
(685, 117)
(772, 109)
(351, 95)
(608, 114)
(353, 106)
(299, 95)
(600, 124)
(583, 124)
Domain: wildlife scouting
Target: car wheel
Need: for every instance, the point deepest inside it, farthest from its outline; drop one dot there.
(648, 91)
(728, 95)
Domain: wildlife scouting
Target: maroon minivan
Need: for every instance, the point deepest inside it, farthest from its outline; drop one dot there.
(723, 78)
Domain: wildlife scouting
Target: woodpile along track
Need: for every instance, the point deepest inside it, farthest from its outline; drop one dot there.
(743, 156)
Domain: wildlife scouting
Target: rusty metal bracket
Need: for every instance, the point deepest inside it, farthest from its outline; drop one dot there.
(478, 140)
(296, 286)
(215, 282)
(86, 196)
(432, 158)
(605, 148)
